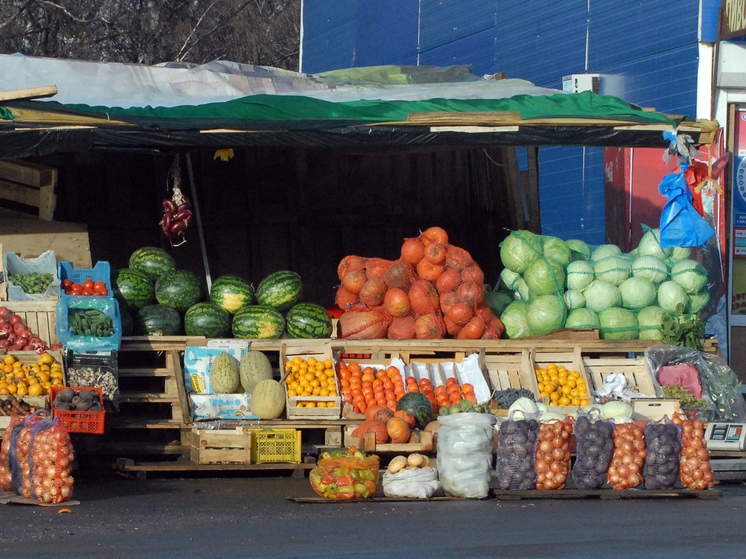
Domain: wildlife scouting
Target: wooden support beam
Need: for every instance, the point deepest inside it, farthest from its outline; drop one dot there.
(28, 93)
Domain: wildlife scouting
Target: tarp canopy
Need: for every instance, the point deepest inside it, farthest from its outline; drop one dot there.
(178, 106)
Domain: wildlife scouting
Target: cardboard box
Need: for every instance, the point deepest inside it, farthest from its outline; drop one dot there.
(198, 360)
(225, 406)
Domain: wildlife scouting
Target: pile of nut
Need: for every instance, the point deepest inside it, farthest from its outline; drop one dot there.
(88, 377)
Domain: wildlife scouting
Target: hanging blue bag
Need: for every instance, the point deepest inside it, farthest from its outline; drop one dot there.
(681, 224)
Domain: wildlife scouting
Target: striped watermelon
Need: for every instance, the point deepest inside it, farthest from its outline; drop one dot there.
(231, 293)
(178, 289)
(157, 320)
(308, 320)
(208, 320)
(152, 261)
(258, 321)
(133, 289)
(280, 290)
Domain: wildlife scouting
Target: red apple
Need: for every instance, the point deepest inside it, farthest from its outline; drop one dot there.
(15, 319)
(19, 327)
(4, 311)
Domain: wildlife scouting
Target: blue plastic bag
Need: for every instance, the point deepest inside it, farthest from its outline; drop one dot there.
(681, 224)
(107, 305)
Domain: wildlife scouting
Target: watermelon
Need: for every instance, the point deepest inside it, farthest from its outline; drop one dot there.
(258, 321)
(178, 289)
(418, 405)
(133, 289)
(152, 261)
(208, 320)
(280, 290)
(308, 320)
(231, 293)
(157, 320)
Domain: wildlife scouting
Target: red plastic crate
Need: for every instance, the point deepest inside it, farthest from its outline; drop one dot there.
(91, 422)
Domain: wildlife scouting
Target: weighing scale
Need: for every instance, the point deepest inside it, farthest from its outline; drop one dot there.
(725, 436)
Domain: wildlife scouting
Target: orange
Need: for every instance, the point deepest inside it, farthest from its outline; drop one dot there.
(564, 401)
(554, 396)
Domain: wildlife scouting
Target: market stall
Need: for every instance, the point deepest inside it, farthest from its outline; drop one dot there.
(176, 343)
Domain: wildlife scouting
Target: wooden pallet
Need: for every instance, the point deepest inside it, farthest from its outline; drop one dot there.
(30, 184)
(142, 469)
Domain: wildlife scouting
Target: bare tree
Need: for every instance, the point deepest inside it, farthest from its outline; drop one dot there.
(262, 32)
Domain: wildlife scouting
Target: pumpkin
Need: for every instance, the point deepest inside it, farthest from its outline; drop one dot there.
(224, 374)
(429, 271)
(473, 329)
(460, 313)
(418, 405)
(267, 399)
(398, 430)
(364, 324)
(429, 327)
(435, 235)
(372, 292)
(255, 366)
(433, 427)
(401, 328)
(400, 274)
(396, 302)
(379, 413)
(448, 280)
(372, 426)
(353, 280)
(435, 253)
(416, 436)
(412, 250)
(406, 416)
(469, 293)
(423, 296)
(350, 263)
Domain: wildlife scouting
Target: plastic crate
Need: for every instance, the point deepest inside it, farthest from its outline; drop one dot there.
(100, 272)
(102, 363)
(91, 422)
(275, 445)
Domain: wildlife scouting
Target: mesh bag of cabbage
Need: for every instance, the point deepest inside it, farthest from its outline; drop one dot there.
(594, 446)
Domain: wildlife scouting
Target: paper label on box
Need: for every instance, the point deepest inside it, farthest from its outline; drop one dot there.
(229, 343)
(227, 406)
(197, 363)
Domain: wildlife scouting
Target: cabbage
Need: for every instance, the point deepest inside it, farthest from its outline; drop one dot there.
(579, 274)
(618, 324)
(650, 244)
(698, 301)
(579, 250)
(515, 282)
(637, 293)
(604, 251)
(520, 249)
(613, 269)
(582, 318)
(498, 301)
(514, 320)
(614, 408)
(650, 319)
(556, 250)
(650, 267)
(672, 297)
(546, 313)
(544, 277)
(600, 295)
(574, 299)
(690, 275)
(681, 253)
(522, 407)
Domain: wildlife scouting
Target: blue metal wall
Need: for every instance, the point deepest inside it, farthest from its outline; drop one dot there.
(646, 51)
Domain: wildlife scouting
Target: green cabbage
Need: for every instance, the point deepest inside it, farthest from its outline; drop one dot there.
(582, 318)
(698, 301)
(546, 313)
(681, 253)
(498, 301)
(520, 249)
(574, 299)
(544, 276)
(637, 293)
(672, 297)
(514, 320)
(513, 281)
(618, 324)
(650, 267)
(556, 250)
(650, 320)
(579, 250)
(579, 274)
(690, 275)
(605, 251)
(600, 295)
(612, 269)
(650, 244)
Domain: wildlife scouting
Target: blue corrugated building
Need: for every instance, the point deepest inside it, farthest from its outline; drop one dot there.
(646, 52)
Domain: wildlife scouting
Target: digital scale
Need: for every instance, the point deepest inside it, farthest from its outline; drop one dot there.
(725, 436)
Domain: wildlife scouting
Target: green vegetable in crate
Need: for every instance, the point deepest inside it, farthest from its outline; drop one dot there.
(637, 293)
(688, 400)
(231, 293)
(582, 318)
(178, 289)
(600, 295)
(133, 289)
(651, 320)
(515, 320)
(308, 320)
(208, 320)
(605, 251)
(258, 321)
(34, 283)
(618, 324)
(280, 290)
(224, 374)
(546, 313)
(152, 261)
(89, 322)
(556, 250)
(545, 276)
(650, 267)
(157, 320)
(520, 249)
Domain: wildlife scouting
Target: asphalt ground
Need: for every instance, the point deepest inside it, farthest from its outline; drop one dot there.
(254, 514)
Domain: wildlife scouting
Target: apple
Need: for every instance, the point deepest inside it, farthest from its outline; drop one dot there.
(15, 319)
(5, 312)
(19, 327)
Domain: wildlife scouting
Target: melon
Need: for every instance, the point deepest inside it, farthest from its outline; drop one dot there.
(224, 374)
(267, 399)
(255, 366)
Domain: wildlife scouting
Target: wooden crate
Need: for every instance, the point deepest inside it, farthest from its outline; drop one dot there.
(38, 316)
(38, 402)
(30, 184)
(368, 444)
(571, 361)
(634, 369)
(221, 446)
(656, 409)
(511, 370)
(320, 351)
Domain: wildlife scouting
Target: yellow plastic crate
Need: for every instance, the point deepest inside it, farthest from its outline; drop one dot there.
(276, 445)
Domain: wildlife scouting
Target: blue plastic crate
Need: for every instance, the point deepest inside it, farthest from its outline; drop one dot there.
(108, 305)
(100, 272)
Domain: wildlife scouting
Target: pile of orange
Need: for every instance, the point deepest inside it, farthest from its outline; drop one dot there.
(562, 387)
(364, 386)
(30, 379)
(311, 377)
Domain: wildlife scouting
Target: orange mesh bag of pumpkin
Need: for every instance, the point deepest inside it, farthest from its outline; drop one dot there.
(345, 474)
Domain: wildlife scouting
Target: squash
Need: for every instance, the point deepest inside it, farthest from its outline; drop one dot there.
(372, 426)
(406, 416)
(224, 374)
(398, 430)
(267, 399)
(255, 366)
(381, 413)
